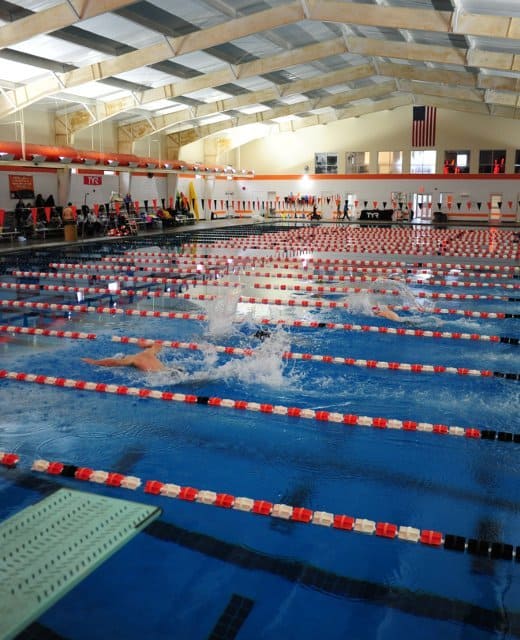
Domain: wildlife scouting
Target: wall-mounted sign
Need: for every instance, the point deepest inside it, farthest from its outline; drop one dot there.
(93, 181)
(21, 186)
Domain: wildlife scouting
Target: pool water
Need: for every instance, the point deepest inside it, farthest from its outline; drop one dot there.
(208, 572)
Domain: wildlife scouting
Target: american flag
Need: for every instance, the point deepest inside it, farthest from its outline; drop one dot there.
(423, 126)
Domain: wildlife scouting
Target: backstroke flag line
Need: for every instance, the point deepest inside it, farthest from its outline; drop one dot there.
(423, 126)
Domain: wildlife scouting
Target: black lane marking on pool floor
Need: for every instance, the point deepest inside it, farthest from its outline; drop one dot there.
(232, 618)
(37, 631)
(415, 603)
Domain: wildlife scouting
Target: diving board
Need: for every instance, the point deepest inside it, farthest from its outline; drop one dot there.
(49, 547)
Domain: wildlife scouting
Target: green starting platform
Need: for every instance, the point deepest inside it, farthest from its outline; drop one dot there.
(49, 547)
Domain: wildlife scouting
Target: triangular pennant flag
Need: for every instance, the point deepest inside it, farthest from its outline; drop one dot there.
(154, 202)
(34, 213)
(384, 205)
(48, 213)
(410, 205)
(420, 205)
(365, 202)
(479, 204)
(214, 204)
(468, 204)
(170, 202)
(449, 205)
(459, 204)
(96, 208)
(374, 203)
(510, 204)
(489, 205)
(202, 203)
(429, 205)
(136, 205)
(499, 205)
(163, 202)
(2, 217)
(439, 205)
(356, 202)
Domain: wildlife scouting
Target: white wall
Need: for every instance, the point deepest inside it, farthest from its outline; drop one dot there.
(385, 131)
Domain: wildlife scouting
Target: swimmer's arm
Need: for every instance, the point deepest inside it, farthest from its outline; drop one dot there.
(110, 362)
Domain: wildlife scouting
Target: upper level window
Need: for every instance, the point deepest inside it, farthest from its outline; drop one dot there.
(456, 162)
(390, 162)
(326, 162)
(357, 161)
(492, 161)
(517, 161)
(423, 161)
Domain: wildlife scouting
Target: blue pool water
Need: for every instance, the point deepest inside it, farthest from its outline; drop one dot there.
(206, 572)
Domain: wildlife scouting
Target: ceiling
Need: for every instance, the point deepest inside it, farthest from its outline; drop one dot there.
(191, 68)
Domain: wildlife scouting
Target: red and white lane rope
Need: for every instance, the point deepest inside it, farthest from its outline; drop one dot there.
(441, 266)
(238, 351)
(381, 423)
(312, 357)
(303, 515)
(304, 303)
(311, 324)
(221, 283)
(301, 275)
(36, 331)
(302, 263)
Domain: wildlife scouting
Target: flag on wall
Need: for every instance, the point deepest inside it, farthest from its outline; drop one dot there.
(423, 126)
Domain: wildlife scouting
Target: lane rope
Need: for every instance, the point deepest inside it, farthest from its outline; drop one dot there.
(388, 530)
(311, 324)
(265, 408)
(326, 359)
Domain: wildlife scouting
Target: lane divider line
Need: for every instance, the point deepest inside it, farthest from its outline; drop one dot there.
(276, 274)
(328, 359)
(311, 324)
(343, 522)
(265, 408)
(328, 261)
(320, 304)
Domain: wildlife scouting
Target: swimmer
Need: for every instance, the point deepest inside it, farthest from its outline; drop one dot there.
(385, 312)
(262, 334)
(145, 360)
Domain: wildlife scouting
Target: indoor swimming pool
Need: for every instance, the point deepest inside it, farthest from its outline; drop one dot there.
(321, 470)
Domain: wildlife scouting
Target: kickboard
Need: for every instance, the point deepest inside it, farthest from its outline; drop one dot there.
(51, 546)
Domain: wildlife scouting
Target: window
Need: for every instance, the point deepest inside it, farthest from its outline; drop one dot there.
(326, 162)
(357, 161)
(423, 161)
(390, 162)
(517, 161)
(456, 162)
(492, 161)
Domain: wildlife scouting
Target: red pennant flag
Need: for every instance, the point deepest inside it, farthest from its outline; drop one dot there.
(136, 205)
(117, 206)
(468, 204)
(489, 205)
(170, 202)
(374, 203)
(74, 211)
(449, 205)
(356, 202)
(96, 209)
(34, 212)
(510, 204)
(2, 217)
(429, 205)
(48, 213)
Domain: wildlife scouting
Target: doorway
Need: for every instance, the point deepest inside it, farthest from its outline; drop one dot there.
(422, 207)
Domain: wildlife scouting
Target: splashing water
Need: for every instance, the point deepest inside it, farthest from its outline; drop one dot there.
(222, 311)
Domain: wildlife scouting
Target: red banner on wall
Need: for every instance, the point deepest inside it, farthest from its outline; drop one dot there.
(21, 186)
(93, 181)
